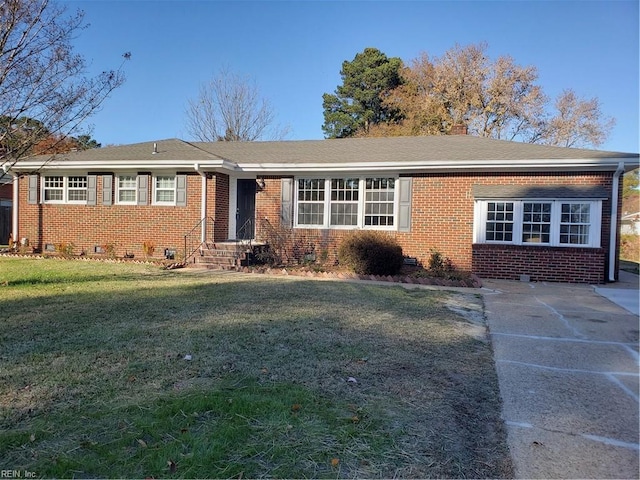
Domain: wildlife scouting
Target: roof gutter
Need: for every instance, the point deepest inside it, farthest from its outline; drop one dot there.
(613, 239)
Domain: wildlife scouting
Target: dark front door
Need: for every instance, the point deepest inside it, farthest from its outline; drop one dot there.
(246, 211)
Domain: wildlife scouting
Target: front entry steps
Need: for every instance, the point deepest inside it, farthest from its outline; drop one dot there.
(229, 255)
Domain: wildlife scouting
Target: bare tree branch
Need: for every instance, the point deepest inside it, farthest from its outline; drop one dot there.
(44, 90)
(229, 108)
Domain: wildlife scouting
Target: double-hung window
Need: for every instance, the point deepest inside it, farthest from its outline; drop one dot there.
(126, 189)
(53, 189)
(311, 202)
(344, 201)
(536, 222)
(555, 222)
(165, 190)
(61, 189)
(77, 189)
(575, 223)
(379, 204)
(349, 202)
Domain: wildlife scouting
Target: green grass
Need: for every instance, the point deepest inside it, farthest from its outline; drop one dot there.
(94, 380)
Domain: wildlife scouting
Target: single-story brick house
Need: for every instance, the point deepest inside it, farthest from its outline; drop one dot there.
(500, 209)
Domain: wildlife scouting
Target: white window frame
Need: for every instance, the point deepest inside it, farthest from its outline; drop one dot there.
(66, 189)
(61, 189)
(594, 225)
(156, 190)
(75, 188)
(119, 189)
(361, 202)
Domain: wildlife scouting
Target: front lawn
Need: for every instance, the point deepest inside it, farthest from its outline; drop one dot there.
(126, 370)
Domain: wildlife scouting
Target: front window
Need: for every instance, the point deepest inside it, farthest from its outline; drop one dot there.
(53, 189)
(127, 188)
(311, 195)
(548, 222)
(536, 222)
(165, 190)
(575, 223)
(379, 201)
(346, 202)
(77, 189)
(499, 225)
(61, 189)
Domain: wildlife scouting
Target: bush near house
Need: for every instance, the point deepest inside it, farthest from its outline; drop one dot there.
(371, 253)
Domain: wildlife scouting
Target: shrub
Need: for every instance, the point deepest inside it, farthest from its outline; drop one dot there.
(148, 247)
(439, 265)
(371, 253)
(65, 249)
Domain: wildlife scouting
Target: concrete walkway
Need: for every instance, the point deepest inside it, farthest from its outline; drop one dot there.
(567, 362)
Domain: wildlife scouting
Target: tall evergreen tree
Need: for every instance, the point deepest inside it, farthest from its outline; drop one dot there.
(358, 103)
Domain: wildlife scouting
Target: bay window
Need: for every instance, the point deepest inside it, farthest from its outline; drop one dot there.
(556, 222)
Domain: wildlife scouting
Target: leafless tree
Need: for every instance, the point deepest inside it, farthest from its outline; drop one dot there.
(44, 88)
(230, 108)
(577, 123)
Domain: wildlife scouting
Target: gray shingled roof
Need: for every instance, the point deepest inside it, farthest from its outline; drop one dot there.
(171, 149)
(408, 149)
(414, 153)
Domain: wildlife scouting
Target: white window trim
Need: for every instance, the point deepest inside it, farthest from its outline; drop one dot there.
(361, 204)
(43, 189)
(155, 190)
(480, 222)
(65, 190)
(135, 189)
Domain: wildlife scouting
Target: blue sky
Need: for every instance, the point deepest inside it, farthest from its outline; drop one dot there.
(294, 51)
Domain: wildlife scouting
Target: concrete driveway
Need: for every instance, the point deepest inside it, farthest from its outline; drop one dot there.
(567, 362)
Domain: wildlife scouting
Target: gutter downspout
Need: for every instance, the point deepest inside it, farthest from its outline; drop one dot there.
(203, 202)
(613, 239)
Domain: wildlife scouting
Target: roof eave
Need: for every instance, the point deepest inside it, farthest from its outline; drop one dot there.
(445, 166)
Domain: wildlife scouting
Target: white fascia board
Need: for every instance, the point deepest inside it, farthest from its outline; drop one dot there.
(443, 166)
(53, 165)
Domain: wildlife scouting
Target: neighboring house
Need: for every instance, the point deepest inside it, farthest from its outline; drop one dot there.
(501, 209)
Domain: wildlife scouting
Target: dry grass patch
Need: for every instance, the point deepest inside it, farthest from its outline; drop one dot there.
(286, 378)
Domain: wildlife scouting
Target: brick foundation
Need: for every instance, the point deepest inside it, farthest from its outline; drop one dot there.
(553, 264)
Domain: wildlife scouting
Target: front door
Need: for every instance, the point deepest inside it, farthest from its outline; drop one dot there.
(246, 209)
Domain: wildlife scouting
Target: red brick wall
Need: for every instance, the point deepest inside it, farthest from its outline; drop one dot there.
(553, 264)
(442, 219)
(126, 227)
(218, 194)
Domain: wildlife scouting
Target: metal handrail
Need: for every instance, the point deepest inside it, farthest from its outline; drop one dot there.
(241, 243)
(189, 243)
